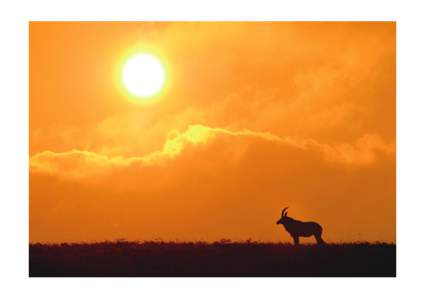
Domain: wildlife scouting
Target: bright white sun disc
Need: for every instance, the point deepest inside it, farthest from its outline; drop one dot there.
(143, 75)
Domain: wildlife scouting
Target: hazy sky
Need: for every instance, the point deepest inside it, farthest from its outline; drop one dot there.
(254, 117)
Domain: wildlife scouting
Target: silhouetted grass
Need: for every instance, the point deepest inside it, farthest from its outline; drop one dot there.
(224, 258)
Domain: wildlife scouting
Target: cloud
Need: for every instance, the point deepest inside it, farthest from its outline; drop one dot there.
(79, 163)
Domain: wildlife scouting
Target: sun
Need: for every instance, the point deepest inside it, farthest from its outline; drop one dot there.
(143, 75)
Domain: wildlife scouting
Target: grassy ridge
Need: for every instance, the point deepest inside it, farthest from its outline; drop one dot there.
(224, 258)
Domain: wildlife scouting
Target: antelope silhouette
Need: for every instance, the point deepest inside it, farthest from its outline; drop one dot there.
(299, 229)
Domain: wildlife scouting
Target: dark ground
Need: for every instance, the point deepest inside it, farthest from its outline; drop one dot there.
(230, 259)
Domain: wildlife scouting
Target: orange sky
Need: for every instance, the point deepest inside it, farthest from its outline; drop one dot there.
(254, 117)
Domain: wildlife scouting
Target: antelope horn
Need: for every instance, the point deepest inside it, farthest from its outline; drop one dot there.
(283, 211)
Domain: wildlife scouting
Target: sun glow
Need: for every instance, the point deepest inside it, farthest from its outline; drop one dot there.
(143, 75)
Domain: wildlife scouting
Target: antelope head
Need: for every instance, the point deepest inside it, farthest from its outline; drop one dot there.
(283, 217)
